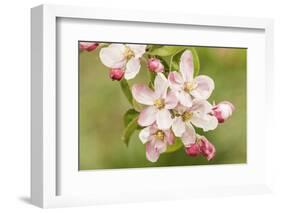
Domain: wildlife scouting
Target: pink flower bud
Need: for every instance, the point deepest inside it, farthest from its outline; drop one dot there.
(223, 111)
(88, 46)
(207, 149)
(116, 74)
(193, 150)
(201, 147)
(155, 65)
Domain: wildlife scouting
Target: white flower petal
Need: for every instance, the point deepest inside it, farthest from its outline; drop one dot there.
(143, 94)
(206, 122)
(144, 134)
(132, 68)
(181, 109)
(201, 106)
(175, 81)
(186, 66)
(113, 56)
(171, 100)
(185, 99)
(164, 119)
(204, 87)
(161, 85)
(189, 136)
(178, 126)
(138, 50)
(147, 116)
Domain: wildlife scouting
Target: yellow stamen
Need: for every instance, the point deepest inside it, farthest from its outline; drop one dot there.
(187, 116)
(159, 103)
(160, 135)
(189, 86)
(128, 53)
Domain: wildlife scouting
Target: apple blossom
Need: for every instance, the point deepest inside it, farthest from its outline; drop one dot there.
(203, 147)
(116, 74)
(197, 115)
(156, 141)
(158, 102)
(126, 57)
(88, 46)
(185, 85)
(155, 65)
(223, 111)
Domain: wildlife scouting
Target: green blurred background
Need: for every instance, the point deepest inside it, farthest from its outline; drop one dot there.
(102, 105)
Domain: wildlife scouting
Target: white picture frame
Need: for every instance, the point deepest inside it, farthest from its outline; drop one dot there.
(46, 167)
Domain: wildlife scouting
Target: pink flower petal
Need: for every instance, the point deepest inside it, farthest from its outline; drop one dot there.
(178, 126)
(152, 154)
(155, 65)
(186, 66)
(161, 85)
(147, 116)
(189, 136)
(207, 149)
(193, 150)
(143, 94)
(160, 146)
(175, 81)
(164, 119)
(204, 87)
(169, 137)
(171, 100)
(223, 111)
(88, 46)
(132, 68)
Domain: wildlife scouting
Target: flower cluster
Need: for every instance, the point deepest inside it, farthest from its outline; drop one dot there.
(175, 104)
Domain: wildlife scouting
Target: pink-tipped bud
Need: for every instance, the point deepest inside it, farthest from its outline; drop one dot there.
(88, 46)
(193, 150)
(201, 147)
(207, 149)
(223, 111)
(155, 65)
(116, 74)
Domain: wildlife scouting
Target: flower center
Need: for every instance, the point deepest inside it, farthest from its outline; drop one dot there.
(188, 86)
(160, 135)
(128, 53)
(159, 103)
(187, 116)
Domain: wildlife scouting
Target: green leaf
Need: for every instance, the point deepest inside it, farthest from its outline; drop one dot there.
(174, 65)
(166, 50)
(165, 64)
(152, 76)
(129, 116)
(137, 106)
(129, 130)
(174, 147)
(153, 47)
(126, 90)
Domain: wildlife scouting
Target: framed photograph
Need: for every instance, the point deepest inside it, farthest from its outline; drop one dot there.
(129, 106)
